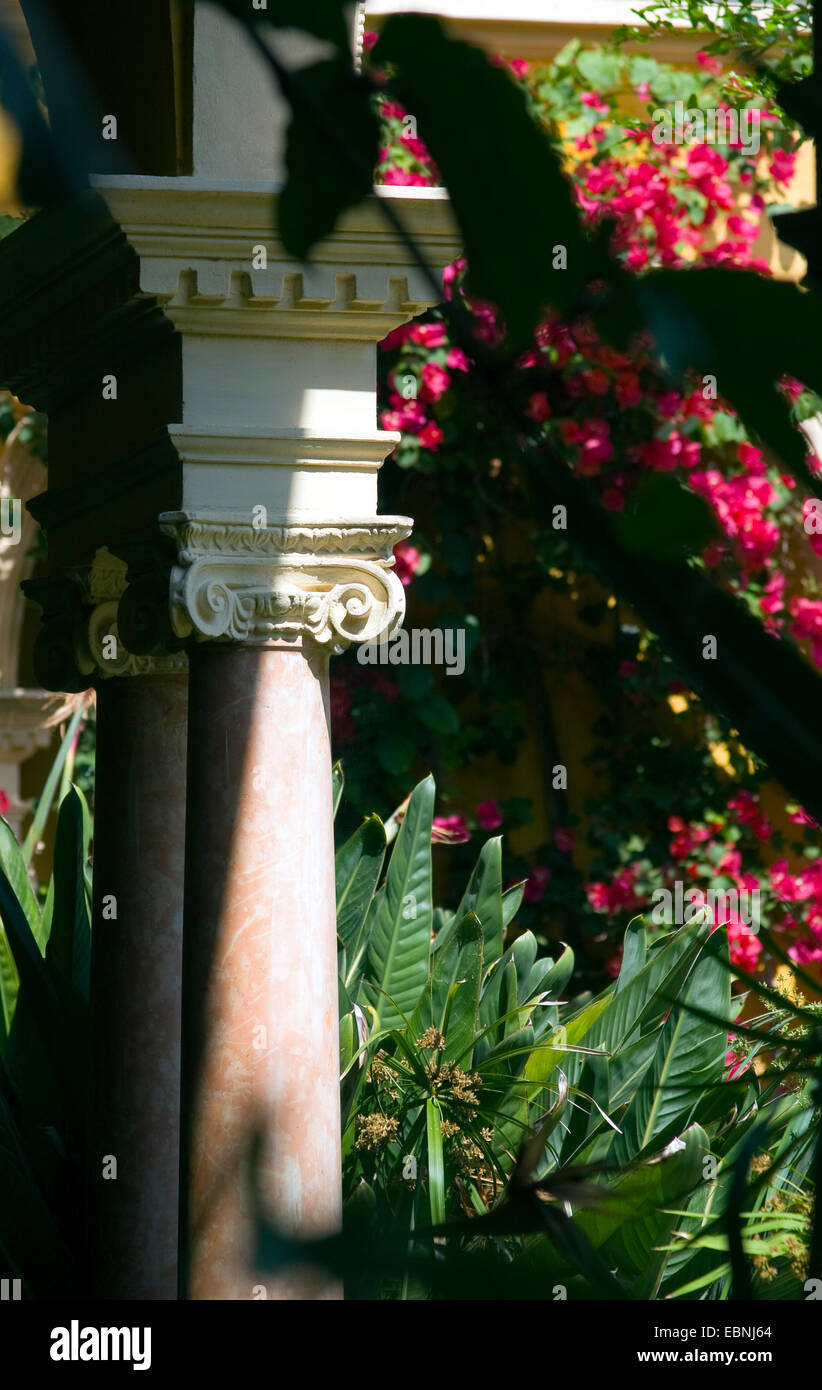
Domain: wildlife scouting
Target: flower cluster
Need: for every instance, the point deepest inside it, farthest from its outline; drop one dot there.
(615, 418)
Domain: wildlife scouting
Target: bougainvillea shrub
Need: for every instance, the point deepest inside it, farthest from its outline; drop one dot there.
(685, 801)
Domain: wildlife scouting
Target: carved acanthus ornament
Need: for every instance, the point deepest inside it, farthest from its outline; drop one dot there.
(104, 651)
(333, 584)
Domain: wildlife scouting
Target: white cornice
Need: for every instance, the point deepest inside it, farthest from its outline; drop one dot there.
(187, 220)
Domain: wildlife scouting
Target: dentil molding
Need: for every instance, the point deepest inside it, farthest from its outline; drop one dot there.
(198, 242)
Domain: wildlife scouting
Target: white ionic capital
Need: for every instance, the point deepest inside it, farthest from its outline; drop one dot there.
(102, 651)
(333, 584)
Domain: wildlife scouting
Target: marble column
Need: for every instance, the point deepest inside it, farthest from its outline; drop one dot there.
(260, 1074)
(261, 1056)
(136, 965)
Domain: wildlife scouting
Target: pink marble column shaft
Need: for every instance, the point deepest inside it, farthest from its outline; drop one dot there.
(136, 978)
(260, 972)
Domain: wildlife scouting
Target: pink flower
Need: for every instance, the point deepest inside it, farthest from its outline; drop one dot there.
(731, 861)
(518, 66)
(803, 954)
(415, 146)
(744, 947)
(595, 101)
(710, 63)
(489, 815)
(793, 387)
(627, 390)
(430, 335)
(667, 454)
(564, 840)
(750, 457)
(450, 830)
(396, 337)
(369, 39)
(538, 407)
(596, 382)
(430, 437)
(409, 415)
(741, 227)
(457, 360)
(595, 446)
(613, 500)
(5, 803)
(536, 883)
(435, 382)
(406, 562)
(782, 166)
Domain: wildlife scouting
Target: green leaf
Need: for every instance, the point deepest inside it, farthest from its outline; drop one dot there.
(437, 713)
(688, 1061)
(395, 753)
(14, 867)
(12, 864)
(483, 897)
(541, 1064)
(358, 864)
(436, 1165)
(320, 185)
(511, 904)
(31, 1245)
(31, 968)
(642, 1005)
(633, 954)
(599, 68)
(456, 986)
(337, 784)
(553, 980)
(400, 933)
(52, 783)
(68, 953)
(631, 1228)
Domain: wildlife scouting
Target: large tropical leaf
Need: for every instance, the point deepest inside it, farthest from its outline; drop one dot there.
(483, 897)
(400, 932)
(456, 989)
(358, 865)
(68, 953)
(13, 866)
(630, 1230)
(575, 1033)
(646, 999)
(688, 1060)
(32, 1247)
(52, 786)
